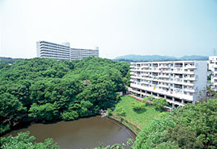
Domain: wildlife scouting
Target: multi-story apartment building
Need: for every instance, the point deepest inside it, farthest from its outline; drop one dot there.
(52, 50)
(179, 82)
(81, 53)
(63, 51)
(213, 68)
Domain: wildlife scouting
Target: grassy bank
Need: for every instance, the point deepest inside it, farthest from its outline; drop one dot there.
(140, 119)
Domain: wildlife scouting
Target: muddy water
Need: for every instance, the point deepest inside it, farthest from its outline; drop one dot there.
(82, 133)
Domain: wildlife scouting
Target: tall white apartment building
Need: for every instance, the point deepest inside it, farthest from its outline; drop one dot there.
(63, 51)
(179, 82)
(81, 53)
(52, 50)
(213, 68)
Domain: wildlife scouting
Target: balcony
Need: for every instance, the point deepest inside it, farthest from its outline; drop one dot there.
(190, 78)
(164, 76)
(161, 91)
(163, 66)
(137, 77)
(183, 72)
(144, 66)
(214, 88)
(166, 71)
(164, 86)
(144, 82)
(148, 78)
(190, 67)
(144, 75)
(179, 66)
(175, 102)
(145, 70)
(190, 90)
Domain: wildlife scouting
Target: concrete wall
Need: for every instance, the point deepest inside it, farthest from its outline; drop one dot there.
(201, 78)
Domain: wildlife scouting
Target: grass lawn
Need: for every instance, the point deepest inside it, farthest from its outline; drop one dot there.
(141, 119)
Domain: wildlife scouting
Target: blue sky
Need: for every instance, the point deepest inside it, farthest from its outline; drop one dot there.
(118, 27)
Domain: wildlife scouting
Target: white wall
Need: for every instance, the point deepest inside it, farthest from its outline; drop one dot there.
(201, 77)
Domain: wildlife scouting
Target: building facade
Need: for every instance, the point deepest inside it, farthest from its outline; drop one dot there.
(52, 50)
(81, 53)
(213, 68)
(63, 51)
(179, 82)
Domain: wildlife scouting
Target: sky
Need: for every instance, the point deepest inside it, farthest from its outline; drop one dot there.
(117, 27)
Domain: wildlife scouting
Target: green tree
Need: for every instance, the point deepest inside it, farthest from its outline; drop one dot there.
(160, 103)
(11, 111)
(184, 137)
(23, 140)
(69, 115)
(190, 127)
(46, 111)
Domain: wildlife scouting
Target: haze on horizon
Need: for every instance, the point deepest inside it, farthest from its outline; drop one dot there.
(118, 27)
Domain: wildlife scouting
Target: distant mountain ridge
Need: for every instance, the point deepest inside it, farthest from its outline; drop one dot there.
(132, 58)
(9, 60)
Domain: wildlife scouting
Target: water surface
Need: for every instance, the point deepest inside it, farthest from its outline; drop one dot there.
(82, 133)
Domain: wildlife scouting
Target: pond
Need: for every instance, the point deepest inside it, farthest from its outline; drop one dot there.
(82, 133)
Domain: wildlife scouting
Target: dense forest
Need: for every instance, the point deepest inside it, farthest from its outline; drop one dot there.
(50, 90)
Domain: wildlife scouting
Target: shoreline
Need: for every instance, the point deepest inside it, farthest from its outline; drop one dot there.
(121, 124)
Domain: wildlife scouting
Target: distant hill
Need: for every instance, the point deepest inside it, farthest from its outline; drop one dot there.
(194, 57)
(9, 60)
(146, 58)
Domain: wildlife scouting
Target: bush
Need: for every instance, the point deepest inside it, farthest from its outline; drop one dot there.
(109, 111)
(139, 106)
(4, 128)
(120, 111)
(118, 97)
(24, 141)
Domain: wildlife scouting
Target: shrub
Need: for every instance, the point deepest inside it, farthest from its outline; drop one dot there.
(139, 106)
(120, 111)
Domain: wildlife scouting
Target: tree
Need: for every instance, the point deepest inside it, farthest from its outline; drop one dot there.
(69, 115)
(147, 99)
(49, 90)
(11, 111)
(23, 140)
(44, 112)
(201, 119)
(190, 127)
(184, 137)
(160, 103)
(155, 135)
